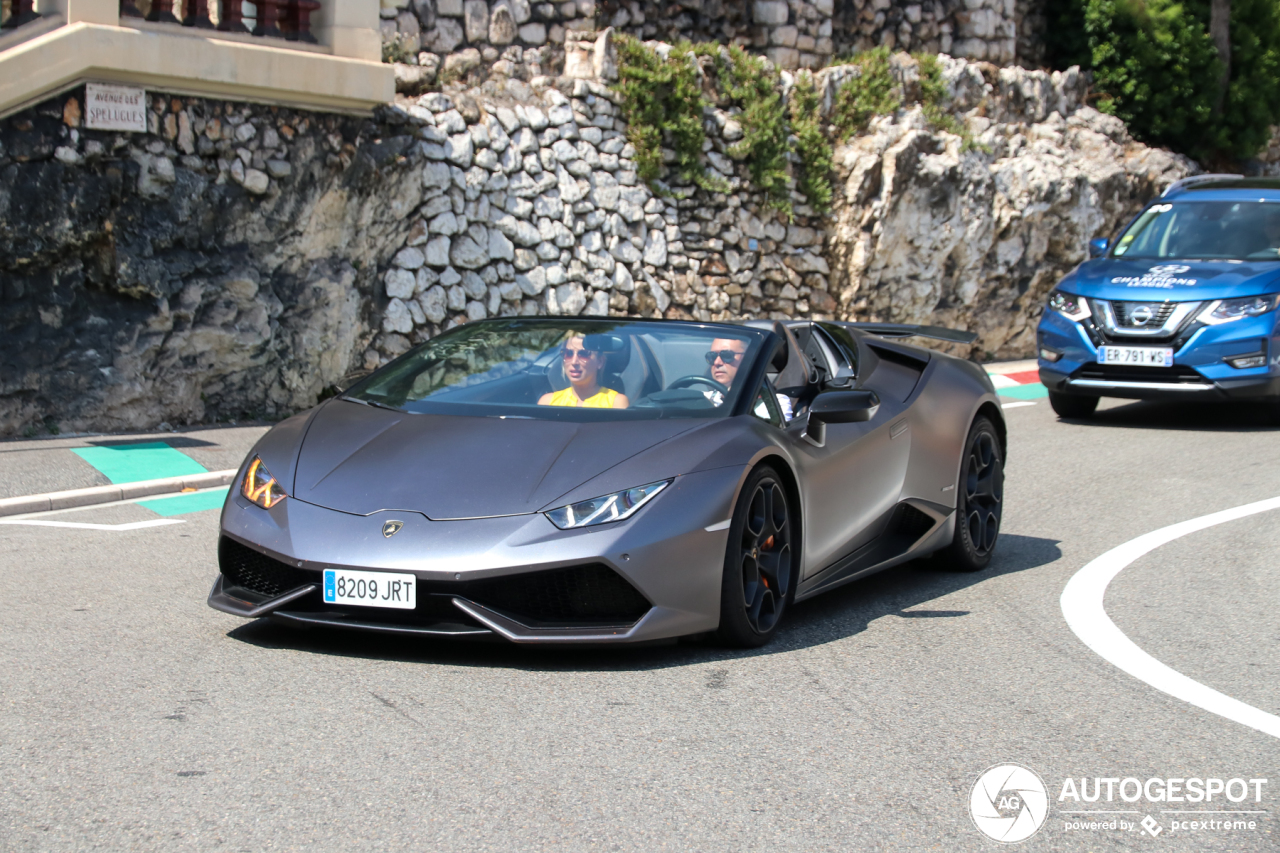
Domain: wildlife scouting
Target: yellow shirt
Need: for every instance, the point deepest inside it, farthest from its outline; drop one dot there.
(603, 399)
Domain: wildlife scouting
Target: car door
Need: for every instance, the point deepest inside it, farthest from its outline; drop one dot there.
(852, 480)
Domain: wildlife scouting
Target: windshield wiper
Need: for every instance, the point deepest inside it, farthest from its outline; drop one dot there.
(372, 403)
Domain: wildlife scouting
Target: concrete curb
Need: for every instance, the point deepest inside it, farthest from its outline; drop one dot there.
(110, 494)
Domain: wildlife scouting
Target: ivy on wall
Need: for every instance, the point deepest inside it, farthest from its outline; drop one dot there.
(664, 101)
(812, 145)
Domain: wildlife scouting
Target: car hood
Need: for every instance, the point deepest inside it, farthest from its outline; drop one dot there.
(361, 459)
(1176, 281)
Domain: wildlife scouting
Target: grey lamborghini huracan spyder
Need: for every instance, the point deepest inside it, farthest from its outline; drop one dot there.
(583, 480)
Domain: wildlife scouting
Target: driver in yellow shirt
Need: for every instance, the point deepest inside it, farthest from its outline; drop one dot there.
(582, 368)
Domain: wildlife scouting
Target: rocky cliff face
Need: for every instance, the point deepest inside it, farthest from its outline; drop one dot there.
(218, 267)
(926, 231)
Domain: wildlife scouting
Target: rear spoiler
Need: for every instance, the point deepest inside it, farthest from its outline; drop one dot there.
(907, 330)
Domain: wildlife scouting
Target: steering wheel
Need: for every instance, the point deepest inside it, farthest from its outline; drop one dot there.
(693, 379)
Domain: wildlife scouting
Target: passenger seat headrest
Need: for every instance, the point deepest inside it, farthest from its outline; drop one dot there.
(602, 343)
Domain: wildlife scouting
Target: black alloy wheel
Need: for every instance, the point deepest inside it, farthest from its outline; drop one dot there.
(979, 499)
(1072, 405)
(760, 562)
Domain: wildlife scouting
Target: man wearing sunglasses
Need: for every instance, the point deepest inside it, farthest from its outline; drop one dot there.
(725, 357)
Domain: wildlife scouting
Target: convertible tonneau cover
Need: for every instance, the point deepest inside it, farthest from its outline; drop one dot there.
(907, 330)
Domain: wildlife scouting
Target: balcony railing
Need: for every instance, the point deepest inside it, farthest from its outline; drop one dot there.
(20, 12)
(290, 19)
(286, 19)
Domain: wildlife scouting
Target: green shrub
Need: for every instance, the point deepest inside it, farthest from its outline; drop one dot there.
(873, 92)
(1155, 68)
(812, 146)
(933, 96)
(659, 98)
(764, 144)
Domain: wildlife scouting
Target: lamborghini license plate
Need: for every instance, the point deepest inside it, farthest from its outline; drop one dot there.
(370, 589)
(1139, 356)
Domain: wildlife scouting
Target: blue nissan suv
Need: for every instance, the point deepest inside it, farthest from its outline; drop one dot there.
(1181, 307)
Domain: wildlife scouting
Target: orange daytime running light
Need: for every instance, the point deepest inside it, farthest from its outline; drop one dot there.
(260, 487)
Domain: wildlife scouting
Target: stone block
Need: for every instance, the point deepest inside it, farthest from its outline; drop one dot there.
(437, 251)
(502, 26)
(770, 11)
(784, 36)
(475, 20)
(534, 34)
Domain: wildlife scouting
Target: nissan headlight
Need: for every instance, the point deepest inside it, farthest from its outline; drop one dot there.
(1226, 310)
(605, 509)
(260, 487)
(1069, 305)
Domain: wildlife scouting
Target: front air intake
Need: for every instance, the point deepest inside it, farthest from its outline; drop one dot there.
(256, 572)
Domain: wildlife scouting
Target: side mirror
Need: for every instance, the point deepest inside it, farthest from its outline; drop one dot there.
(844, 407)
(838, 407)
(1098, 247)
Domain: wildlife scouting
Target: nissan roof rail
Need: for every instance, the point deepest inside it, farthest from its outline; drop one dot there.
(1184, 183)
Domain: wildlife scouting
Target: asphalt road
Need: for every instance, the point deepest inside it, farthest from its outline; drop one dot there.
(134, 717)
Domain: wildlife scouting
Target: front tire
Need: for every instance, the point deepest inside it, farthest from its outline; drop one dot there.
(979, 499)
(1072, 405)
(759, 564)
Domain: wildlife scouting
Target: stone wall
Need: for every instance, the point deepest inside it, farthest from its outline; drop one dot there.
(238, 260)
(535, 208)
(793, 33)
(220, 266)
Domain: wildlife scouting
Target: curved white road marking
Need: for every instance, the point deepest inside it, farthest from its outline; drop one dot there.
(1082, 607)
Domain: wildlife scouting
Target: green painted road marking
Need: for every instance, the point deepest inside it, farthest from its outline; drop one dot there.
(1034, 391)
(191, 502)
(129, 463)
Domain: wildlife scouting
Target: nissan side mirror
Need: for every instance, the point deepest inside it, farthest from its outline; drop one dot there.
(1098, 247)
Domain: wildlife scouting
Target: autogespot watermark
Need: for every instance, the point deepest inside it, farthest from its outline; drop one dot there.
(1010, 803)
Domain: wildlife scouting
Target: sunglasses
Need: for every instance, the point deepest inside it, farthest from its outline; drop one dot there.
(727, 356)
(580, 354)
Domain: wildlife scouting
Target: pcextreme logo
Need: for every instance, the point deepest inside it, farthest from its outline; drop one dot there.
(1009, 803)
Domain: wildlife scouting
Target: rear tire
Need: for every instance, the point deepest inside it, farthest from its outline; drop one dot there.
(979, 499)
(1072, 405)
(759, 564)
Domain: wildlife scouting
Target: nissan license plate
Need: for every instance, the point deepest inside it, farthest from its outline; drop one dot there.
(1138, 356)
(370, 589)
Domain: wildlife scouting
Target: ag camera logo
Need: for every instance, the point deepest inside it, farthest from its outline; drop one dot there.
(1009, 803)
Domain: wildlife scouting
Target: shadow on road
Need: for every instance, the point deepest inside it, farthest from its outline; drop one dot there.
(1172, 415)
(835, 615)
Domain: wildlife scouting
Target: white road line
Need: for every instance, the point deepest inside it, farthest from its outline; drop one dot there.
(1016, 405)
(82, 525)
(1082, 607)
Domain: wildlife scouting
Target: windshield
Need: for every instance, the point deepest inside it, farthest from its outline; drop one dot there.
(1227, 230)
(570, 368)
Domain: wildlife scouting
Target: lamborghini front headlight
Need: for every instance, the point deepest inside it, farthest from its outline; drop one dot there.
(604, 509)
(260, 487)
